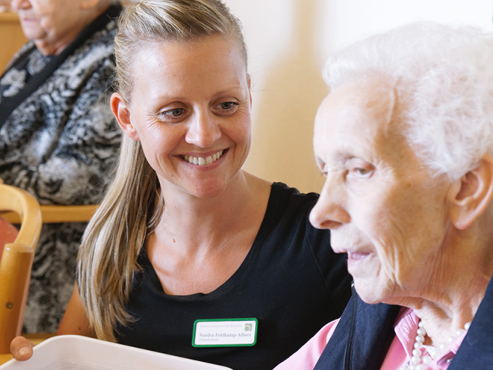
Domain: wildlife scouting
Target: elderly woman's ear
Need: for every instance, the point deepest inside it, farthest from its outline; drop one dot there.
(470, 195)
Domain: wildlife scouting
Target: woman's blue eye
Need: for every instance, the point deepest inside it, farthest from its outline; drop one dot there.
(228, 105)
(174, 112)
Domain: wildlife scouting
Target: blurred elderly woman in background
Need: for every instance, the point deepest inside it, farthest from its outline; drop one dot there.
(58, 139)
(405, 139)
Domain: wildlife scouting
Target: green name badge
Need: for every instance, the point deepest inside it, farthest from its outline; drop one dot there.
(225, 333)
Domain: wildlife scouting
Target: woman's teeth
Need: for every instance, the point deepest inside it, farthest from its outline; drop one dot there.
(203, 161)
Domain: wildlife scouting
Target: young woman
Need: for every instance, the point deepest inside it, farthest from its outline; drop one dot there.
(185, 234)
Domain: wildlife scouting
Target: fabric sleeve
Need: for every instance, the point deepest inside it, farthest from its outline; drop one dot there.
(76, 170)
(307, 356)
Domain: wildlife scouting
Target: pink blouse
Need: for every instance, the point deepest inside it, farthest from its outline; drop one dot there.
(400, 351)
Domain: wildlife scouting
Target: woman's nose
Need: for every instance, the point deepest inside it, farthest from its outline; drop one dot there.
(203, 130)
(19, 4)
(329, 211)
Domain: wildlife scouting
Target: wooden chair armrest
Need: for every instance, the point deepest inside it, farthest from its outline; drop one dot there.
(59, 214)
(15, 265)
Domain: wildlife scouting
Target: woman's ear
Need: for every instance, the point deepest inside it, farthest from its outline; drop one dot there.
(249, 79)
(470, 195)
(122, 115)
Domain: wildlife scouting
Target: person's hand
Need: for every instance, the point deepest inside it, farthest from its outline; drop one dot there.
(21, 348)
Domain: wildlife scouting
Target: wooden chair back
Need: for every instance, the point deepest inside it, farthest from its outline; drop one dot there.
(59, 214)
(16, 262)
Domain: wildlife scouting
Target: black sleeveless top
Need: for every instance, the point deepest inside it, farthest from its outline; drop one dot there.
(290, 281)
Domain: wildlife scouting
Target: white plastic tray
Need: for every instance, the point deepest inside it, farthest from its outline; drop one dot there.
(73, 352)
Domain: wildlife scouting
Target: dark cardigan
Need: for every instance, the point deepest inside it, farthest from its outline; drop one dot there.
(364, 333)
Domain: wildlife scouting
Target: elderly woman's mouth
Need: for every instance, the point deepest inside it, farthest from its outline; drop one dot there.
(357, 256)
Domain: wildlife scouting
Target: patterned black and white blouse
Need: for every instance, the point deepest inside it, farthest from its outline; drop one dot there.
(59, 141)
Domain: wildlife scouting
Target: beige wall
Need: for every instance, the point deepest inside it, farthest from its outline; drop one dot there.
(287, 88)
(11, 37)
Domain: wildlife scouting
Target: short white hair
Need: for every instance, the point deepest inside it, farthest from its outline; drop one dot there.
(444, 77)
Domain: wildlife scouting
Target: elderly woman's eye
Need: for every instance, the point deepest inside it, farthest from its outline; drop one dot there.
(362, 171)
(359, 168)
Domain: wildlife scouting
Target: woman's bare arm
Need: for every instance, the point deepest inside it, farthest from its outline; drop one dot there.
(75, 320)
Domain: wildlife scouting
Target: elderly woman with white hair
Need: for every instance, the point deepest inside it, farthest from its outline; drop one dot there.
(58, 138)
(405, 140)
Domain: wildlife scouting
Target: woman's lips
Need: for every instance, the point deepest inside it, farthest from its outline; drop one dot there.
(355, 259)
(27, 20)
(357, 256)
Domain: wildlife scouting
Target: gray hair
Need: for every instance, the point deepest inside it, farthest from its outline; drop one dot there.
(151, 21)
(443, 76)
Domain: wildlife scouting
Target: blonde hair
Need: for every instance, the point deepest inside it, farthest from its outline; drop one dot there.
(152, 21)
(114, 238)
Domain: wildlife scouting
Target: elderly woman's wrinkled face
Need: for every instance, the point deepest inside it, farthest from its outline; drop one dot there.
(382, 205)
(47, 20)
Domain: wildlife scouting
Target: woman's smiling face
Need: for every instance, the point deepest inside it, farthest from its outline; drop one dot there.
(190, 109)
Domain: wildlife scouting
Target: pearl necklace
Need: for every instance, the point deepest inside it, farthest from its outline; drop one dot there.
(420, 362)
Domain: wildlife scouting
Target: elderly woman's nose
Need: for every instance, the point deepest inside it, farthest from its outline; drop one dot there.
(328, 212)
(203, 131)
(20, 4)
